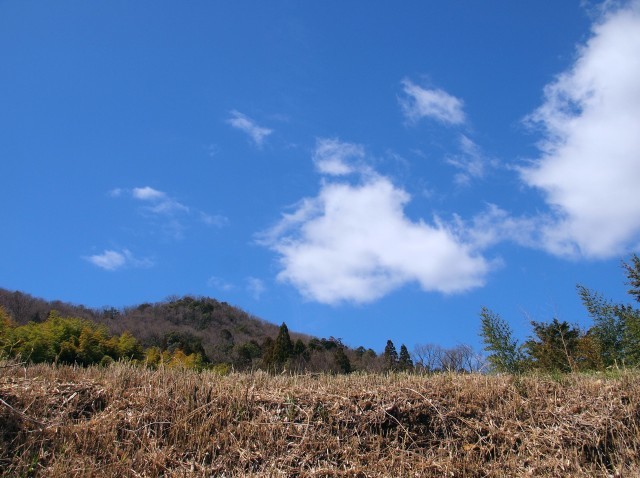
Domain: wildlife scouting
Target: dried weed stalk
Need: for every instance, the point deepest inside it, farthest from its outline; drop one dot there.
(127, 421)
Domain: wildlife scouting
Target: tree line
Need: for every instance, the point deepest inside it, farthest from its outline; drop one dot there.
(194, 332)
(200, 333)
(73, 340)
(613, 341)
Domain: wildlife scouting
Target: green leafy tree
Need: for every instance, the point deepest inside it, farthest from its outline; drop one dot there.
(153, 357)
(505, 355)
(6, 332)
(90, 346)
(245, 354)
(404, 359)
(70, 340)
(128, 347)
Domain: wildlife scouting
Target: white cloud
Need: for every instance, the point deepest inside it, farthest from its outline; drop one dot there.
(215, 220)
(430, 103)
(353, 243)
(148, 194)
(337, 158)
(113, 260)
(471, 162)
(161, 202)
(589, 167)
(256, 287)
(495, 225)
(247, 125)
(220, 284)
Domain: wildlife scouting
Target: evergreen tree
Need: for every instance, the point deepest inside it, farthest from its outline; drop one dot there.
(404, 360)
(608, 329)
(268, 353)
(555, 347)
(506, 356)
(390, 357)
(283, 347)
(300, 350)
(633, 275)
(342, 361)
(616, 326)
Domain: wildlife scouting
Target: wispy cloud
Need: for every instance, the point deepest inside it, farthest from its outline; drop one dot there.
(172, 216)
(337, 158)
(353, 243)
(247, 125)
(589, 166)
(160, 202)
(111, 260)
(256, 287)
(437, 104)
(219, 284)
(148, 194)
(216, 220)
(470, 161)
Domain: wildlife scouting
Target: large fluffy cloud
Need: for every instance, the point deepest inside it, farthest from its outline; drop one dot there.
(589, 167)
(354, 243)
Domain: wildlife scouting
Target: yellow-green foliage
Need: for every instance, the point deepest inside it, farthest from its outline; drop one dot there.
(6, 324)
(154, 358)
(65, 340)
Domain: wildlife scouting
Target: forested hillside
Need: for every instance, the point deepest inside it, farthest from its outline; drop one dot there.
(200, 332)
(186, 331)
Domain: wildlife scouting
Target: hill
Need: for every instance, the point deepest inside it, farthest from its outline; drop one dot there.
(210, 331)
(194, 322)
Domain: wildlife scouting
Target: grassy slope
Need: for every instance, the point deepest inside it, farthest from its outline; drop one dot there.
(125, 421)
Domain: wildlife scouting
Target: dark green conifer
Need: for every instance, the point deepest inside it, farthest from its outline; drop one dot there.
(404, 360)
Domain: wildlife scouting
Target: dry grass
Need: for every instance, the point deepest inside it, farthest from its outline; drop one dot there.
(126, 421)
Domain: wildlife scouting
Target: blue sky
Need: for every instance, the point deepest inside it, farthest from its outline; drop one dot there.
(357, 169)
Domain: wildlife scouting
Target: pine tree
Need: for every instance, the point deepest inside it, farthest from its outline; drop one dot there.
(616, 326)
(404, 360)
(268, 353)
(608, 329)
(633, 274)
(342, 361)
(555, 347)
(390, 357)
(283, 347)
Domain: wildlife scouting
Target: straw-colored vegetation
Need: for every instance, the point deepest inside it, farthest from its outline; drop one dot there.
(123, 420)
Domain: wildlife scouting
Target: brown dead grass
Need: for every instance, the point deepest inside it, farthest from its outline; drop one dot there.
(127, 421)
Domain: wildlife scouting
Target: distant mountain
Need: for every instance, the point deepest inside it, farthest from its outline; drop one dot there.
(204, 322)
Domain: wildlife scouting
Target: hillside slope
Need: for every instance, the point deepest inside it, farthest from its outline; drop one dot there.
(216, 326)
